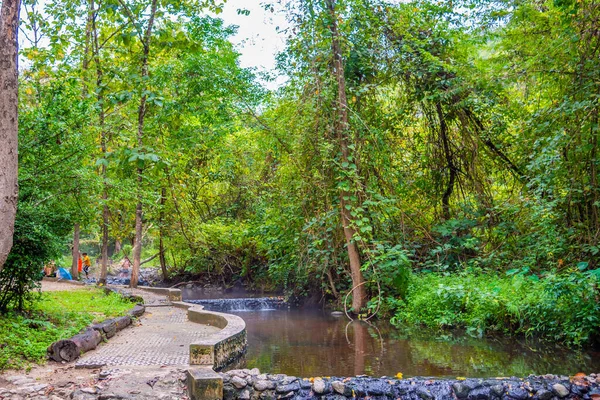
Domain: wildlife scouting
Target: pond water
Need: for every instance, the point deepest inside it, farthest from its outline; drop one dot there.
(315, 343)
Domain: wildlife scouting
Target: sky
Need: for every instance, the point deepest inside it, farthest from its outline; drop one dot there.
(257, 39)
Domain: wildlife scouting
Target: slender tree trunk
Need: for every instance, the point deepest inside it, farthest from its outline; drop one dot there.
(9, 25)
(103, 142)
(84, 92)
(342, 128)
(161, 246)
(75, 263)
(449, 162)
(137, 248)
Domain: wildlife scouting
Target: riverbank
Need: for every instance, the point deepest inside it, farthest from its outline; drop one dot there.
(251, 384)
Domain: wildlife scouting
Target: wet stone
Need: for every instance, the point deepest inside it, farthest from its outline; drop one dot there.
(479, 394)
(229, 392)
(238, 382)
(518, 393)
(497, 390)
(305, 385)
(245, 395)
(288, 380)
(358, 388)
(579, 390)
(339, 387)
(292, 387)
(262, 385)
(424, 394)
(320, 386)
(461, 390)
(267, 395)
(543, 394)
(377, 388)
(560, 390)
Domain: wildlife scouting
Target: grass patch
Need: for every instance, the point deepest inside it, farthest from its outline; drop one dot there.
(25, 337)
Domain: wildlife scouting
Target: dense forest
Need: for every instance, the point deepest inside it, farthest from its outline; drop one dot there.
(430, 161)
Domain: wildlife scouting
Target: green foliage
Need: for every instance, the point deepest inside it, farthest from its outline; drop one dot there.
(563, 308)
(39, 238)
(471, 145)
(57, 315)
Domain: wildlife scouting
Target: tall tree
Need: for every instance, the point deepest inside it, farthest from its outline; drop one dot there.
(145, 40)
(342, 129)
(92, 28)
(9, 21)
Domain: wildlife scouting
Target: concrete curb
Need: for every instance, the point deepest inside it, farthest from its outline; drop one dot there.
(211, 353)
(221, 349)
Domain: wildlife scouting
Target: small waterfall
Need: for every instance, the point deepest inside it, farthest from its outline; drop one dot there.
(247, 304)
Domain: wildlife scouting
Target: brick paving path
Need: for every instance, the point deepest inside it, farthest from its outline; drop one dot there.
(162, 337)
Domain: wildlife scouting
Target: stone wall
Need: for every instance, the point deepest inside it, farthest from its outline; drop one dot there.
(252, 385)
(222, 348)
(229, 350)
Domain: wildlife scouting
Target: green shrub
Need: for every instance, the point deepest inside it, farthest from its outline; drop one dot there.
(563, 307)
(39, 238)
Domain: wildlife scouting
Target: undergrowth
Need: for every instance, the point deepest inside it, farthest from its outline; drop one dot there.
(25, 336)
(563, 308)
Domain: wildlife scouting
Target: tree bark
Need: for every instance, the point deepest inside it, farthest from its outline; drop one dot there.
(449, 162)
(161, 246)
(75, 263)
(103, 145)
(9, 25)
(70, 349)
(137, 248)
(342, 128)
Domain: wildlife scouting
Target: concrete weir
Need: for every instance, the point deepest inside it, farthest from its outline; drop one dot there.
(214, 352)
(211, 353)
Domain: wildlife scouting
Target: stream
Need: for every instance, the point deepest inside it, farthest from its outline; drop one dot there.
(303, 342)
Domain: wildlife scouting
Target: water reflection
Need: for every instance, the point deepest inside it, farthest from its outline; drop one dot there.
(308, 343)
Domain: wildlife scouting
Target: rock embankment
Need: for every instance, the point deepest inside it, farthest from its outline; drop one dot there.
(251, 384)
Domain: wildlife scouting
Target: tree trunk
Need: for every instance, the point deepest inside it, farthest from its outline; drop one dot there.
(105, 217)
(9, 25)
(449, 162)
(161, 246)
(342, 128)
(103, 145)
(75, 263)
(137, 248)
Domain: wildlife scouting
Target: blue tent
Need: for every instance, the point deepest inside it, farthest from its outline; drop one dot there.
(64, 274)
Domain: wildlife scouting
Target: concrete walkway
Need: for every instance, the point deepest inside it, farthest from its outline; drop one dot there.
(144, 361)
(162, 336)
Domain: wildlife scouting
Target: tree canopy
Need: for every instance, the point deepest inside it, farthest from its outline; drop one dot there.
(418, 137)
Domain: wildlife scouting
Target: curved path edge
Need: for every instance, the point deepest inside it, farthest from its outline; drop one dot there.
(212, 353)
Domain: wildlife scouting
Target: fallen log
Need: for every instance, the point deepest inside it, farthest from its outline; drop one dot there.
(137, 311)
(70, 349)
(107, 328)
(122, 322)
